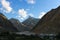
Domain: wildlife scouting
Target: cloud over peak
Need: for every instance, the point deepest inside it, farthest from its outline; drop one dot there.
(22, 13)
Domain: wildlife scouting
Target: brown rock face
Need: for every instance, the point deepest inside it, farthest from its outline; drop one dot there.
(50, 23)
(6, 24)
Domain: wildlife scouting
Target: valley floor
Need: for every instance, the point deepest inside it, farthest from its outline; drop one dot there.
(13, 36)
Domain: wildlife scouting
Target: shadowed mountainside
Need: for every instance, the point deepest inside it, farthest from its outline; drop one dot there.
(5, 24)
(50, 23)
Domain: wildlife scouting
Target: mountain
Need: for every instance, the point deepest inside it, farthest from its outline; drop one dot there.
(49, 23)
(5, 24)
(26, 25)
(30, 22)
(21, 27)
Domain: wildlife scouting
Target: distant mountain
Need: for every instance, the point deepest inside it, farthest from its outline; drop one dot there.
(21, 27)
(50, 23)
(5, 24)
(30, 22)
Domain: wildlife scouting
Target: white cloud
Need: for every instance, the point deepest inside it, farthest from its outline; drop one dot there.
(31, 1)
(22, 13)
(19, 17)
(6, 5)
(41, 14)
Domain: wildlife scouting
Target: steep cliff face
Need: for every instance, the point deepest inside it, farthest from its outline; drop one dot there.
(50, 23)
(6, 24)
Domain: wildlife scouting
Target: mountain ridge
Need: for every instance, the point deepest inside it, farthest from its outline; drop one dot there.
(49, 22)
(6, 24)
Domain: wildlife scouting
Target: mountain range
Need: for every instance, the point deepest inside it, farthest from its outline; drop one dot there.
(26, 25)
(48, 24)
(15, 25)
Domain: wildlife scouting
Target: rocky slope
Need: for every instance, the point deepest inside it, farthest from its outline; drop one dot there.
(5, 24)
(50, 23)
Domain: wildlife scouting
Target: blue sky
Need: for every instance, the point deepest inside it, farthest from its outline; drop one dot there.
(21, 9)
